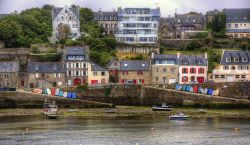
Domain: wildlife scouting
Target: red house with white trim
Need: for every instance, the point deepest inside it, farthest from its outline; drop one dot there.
(193, 68)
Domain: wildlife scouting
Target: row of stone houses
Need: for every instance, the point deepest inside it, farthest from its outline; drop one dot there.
(161, 69)
(74, 69)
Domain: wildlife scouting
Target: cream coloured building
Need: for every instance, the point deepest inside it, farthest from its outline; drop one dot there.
(234, 66)
(97, 74)
(238, 23)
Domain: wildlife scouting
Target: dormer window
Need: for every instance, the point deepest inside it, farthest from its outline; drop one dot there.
(228, 59)
(236, 60)
(244, 59)
(54, 67)
(199, 61)
(185, 61)
(37, 67)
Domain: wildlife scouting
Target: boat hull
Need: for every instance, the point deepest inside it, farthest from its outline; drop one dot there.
(161, 109)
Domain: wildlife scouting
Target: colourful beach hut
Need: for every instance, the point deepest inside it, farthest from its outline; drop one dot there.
(188, 88)
(65, 94)
(53, 91)
(210, 91)
(57, 91)
(184, 87)
(74, 96)
(69, 95)
(61, 94)
(195, 89)
(191, 89)
(200, 90)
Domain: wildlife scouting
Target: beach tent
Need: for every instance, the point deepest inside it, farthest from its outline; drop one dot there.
(195, 89)
(65, 94)
(191, 89)
(57, 91)
(53, 91)
(69, 95)
(61, 94)
(205, 91)
(74, 96)
(48, 91)
(188, 88)
(210, 91)
(200, 90)
(176, 87)
(180, 87)
(184, 88)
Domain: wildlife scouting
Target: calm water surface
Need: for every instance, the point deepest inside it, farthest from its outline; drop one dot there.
(115, 131)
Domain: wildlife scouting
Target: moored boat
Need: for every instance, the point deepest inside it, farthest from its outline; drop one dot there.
(50, 110)
(180, 116)
(163, 107)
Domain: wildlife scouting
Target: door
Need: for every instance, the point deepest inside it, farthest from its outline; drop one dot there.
(22, 83)
(230, 78)
(94, 82)
(200, 80)
(77, 82)
(69, 83)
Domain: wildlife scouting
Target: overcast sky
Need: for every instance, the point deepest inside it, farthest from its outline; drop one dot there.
(167, 6)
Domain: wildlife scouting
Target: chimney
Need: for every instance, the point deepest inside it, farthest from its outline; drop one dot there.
(152, 55)
(178, 55)
(205, 55)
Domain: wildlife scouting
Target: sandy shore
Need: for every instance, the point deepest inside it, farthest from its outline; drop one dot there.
(131, 111)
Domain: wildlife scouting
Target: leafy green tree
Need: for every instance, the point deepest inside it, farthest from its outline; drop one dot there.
(218, 25)
(194, 45)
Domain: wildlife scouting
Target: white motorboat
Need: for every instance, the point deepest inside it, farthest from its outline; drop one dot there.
(163, 107)
(180, 116)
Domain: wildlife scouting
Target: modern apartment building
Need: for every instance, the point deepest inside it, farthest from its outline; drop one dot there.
(138, 25)
(234, 66)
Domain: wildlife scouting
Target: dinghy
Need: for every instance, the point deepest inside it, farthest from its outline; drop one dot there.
(38, 91)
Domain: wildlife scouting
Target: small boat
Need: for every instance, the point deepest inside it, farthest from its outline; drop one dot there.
(180, 116)
(163, 107)
(110, 110)
(50, 110)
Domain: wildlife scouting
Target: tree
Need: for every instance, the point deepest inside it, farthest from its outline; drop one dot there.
(218, 25)
(64, 31)
(194, 45)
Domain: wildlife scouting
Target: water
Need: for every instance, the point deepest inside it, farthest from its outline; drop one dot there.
(115, 131)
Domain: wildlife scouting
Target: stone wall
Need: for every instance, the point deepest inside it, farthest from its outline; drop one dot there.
(29, 100)
(175, 43)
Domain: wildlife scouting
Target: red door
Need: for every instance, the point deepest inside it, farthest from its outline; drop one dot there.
(200, 80)
(93, 82)
(77, 82)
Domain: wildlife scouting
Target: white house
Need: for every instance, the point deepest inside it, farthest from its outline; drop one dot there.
(69, 16)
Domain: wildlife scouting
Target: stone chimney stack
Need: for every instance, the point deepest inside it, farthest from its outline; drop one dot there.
(152, 55)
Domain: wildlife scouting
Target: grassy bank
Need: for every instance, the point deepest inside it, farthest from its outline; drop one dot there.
(130, 112)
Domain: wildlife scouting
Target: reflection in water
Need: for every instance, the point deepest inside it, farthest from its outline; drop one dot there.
(75, 131)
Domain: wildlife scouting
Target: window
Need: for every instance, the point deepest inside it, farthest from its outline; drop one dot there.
(236, 25)
(172, 70)
(222, 76)
(192, 70)
(103, 73)
(164, 70)
(201, 71)
(69, 65)
(54, 67)
(184, 79)
(216, 76)
(233, 67)
(237, 76)
(226, 67)
(228, 59)
(84, 65)
(185, 61)
(156, 79)
(243, 76)
(139, 72)
(124, 72)
(57, 75)
(77, 73)
(77, 65)
(184, 70)
(244, 59)
(228, 25)
(69, 73)
(199, 61)
(95, 73)
(164, 79)
(236, 59)
(6, 77)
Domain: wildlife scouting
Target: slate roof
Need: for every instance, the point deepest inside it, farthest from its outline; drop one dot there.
(238, 31)
(198, 60)
(95, 67)
(9, 66)
(189, 18)
(235, 54)
(75, 51)
(135, 65)
(237, 15)
(166, 57)
(110, 13)
(45, 67)
(57, 11)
